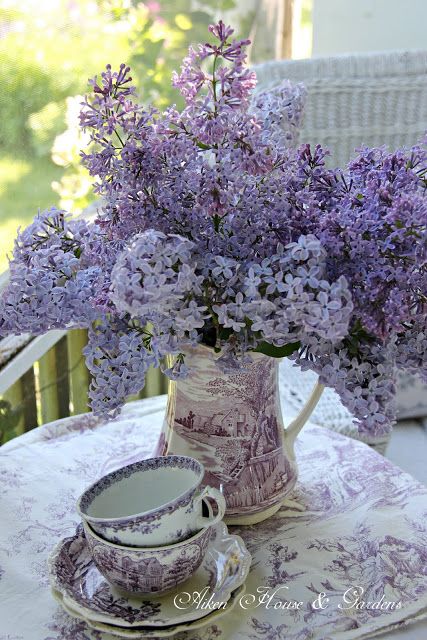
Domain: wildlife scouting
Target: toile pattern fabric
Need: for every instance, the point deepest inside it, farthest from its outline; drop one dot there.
(355, 522)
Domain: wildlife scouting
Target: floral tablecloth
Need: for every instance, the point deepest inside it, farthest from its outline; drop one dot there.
(355, 532)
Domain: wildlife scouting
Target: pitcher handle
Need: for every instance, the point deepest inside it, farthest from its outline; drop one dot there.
(297, 424)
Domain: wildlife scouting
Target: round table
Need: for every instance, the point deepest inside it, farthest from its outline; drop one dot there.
(354, 520)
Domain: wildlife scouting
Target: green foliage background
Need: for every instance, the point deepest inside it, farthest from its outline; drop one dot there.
(48, 50)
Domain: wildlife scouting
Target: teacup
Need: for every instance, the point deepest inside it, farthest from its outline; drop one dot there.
(153, 502)
(148, 570)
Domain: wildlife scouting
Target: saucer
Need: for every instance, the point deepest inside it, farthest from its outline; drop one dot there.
(86, 592)
(140, 633)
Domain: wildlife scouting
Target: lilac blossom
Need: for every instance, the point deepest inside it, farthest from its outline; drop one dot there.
(51, 284)
(153, 276)
(118, 360)
(213, 228)
(280, 111)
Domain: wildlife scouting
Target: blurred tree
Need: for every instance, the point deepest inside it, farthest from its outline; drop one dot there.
(49, 48)
(47, 51)
(158, 36)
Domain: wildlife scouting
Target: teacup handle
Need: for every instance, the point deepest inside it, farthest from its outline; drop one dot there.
(211, 494)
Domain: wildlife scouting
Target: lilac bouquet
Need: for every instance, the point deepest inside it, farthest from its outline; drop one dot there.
(214, 229)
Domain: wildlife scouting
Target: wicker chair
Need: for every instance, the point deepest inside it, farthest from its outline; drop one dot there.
(354, 100)
(372, 99)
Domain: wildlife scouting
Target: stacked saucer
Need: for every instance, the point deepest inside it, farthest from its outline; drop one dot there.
(213, 590)
(192, 574)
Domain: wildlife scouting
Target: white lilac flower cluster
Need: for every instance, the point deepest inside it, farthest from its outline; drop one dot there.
(214, 229)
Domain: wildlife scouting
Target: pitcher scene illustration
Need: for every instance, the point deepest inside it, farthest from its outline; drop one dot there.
(234, 425)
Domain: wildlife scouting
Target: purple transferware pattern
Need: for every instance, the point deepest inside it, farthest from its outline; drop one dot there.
(149, 570)
(180, 462)
(146, 522)
(74, 575)
(180, 630)
(140, 527)
(354, 517)
(74, 564)
(232, 423)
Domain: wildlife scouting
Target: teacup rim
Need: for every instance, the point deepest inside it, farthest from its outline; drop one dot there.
(97, 520)
(128, 548)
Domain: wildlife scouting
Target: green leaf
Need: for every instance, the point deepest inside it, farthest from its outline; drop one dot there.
(224, 333)
(202, 145)
(277, 352)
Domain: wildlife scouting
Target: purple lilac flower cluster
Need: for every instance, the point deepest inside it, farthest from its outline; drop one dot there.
(215, 229)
